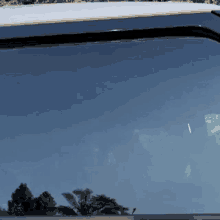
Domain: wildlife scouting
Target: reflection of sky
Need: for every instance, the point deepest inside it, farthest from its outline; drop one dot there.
(213, 124)
(129, 139)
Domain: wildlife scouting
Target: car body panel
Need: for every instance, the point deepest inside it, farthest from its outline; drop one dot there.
(56, 19)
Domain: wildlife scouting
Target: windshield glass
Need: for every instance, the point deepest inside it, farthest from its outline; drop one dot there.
(135, 120)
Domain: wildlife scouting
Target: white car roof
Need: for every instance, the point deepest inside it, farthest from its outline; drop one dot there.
(66, 12)
(89, 17)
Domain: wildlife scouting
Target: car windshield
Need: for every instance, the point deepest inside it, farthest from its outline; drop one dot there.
(136, 120)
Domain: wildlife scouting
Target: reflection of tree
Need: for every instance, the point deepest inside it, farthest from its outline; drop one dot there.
(134, 209)
(95, 205)
(21, 202)
(24, 203)
(82, 206)
(104, 205)
(45, 204)
(66, 211)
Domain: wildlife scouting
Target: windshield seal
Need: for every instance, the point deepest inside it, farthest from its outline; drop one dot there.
(55, 40)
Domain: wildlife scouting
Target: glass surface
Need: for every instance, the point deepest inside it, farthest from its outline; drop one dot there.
(135, 120)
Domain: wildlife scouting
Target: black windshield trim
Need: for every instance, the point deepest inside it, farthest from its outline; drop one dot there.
(50, 41)
(216, 12)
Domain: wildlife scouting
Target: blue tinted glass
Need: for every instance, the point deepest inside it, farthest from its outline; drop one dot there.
(136, 120)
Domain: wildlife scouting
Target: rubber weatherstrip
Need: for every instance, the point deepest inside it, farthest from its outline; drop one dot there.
(55, 40)
(216, 12)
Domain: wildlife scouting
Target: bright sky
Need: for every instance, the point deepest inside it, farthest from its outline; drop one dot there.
(115, 121)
